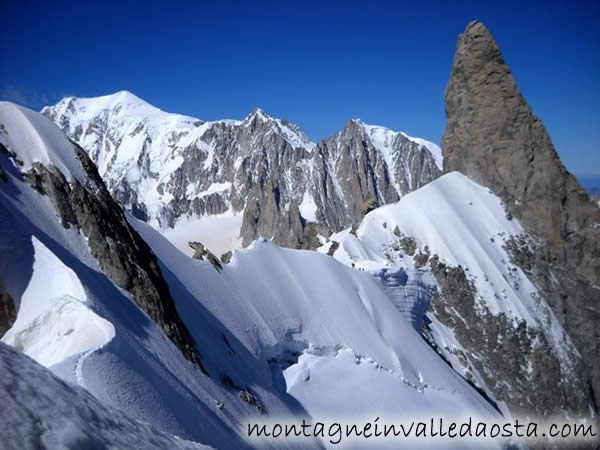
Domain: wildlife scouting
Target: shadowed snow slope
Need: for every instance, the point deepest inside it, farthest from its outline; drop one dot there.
(39, 410)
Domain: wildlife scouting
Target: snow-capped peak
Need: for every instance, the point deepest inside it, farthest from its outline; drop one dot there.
(291, 132)
(166, 168)
(257, 113)
(383, 137)
(122, 104)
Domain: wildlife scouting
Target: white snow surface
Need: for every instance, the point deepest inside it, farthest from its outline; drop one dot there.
(461, 222)
(280, 302)
(308, 207)
(54, 322)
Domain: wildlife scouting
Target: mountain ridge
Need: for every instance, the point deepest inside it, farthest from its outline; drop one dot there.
(165, 168)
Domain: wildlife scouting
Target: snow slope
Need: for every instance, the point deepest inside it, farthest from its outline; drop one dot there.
(330, 335)
(54, 321)
(37, 139)
(462, 223)
(219, 233)
(39, 410)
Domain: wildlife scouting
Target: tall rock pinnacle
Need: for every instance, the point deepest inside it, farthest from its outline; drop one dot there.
(493, 137)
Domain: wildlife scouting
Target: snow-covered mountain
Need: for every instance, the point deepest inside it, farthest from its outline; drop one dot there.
(260, 176)
(275, 333)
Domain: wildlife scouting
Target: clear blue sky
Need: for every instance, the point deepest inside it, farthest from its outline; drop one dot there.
(314, 63)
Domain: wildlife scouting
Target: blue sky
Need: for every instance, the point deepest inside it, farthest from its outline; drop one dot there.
(315, 63)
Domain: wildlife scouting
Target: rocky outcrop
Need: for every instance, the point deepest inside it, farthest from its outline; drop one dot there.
(313, 235)
(201, 253)
(8, 313)
(517, 363)
(226, 257)
(493, 137)
(267, 215)
(120, 252)
(163, 167)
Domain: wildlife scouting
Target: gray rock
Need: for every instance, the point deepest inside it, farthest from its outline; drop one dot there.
(517, 363)
(226, 257)
(333, 247)
(245, 394)
(267, 216)
(8, 313)
(352, 177)
(493, 137)
(121, 253)
(408, 245)
(203, 254)
(310, 237)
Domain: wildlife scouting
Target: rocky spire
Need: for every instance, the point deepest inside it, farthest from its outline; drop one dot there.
(493, 137)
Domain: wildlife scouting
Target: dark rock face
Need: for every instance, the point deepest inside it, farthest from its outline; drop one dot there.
(352, 176)
(347, 175)
(517, 363)
(121, 253)
(493, 137)
(244, 394)
(266, 216)
(226, 257)
(311, 233)
(8, 313)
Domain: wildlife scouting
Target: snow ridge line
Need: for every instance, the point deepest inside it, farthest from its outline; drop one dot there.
(85, 355)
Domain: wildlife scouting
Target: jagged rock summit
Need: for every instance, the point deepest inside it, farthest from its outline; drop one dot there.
(493, 137)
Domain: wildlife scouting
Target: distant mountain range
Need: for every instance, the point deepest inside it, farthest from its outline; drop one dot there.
(169, 169)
